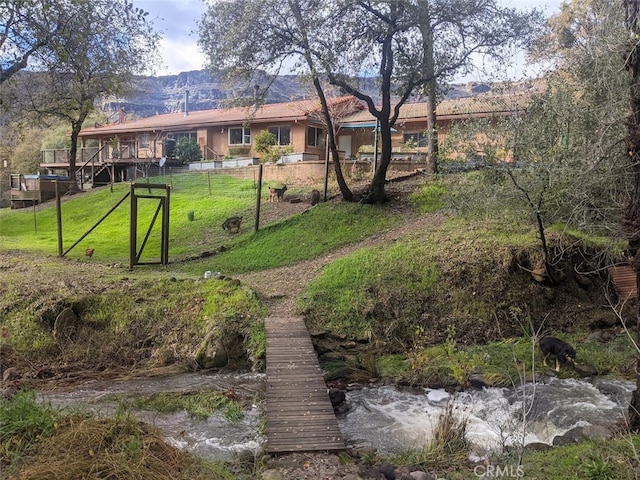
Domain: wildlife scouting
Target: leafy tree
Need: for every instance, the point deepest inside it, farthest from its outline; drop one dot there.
(104, 43)
(26, 157)
(188, 150)
(29, 30)
(266, 145)
(264, 141)
(571, 166)
(409, 44)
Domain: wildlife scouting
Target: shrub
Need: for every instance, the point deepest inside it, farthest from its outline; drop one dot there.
(188, 150)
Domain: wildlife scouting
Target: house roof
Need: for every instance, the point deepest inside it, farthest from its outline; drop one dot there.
(478, 106)
(272, 112)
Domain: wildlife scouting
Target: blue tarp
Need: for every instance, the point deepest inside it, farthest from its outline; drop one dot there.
(46, 177)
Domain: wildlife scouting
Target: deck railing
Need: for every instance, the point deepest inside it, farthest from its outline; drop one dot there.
(61, 155)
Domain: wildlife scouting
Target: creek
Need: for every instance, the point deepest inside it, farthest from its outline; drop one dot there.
(382, 417)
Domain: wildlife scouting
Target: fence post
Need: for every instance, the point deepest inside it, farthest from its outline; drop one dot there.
(58, 218)
(258, 197)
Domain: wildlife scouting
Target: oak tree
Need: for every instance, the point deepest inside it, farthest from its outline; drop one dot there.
(409, 45)
(103, 45)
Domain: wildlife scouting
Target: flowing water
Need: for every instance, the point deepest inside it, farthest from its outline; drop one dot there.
(215, 438)
(386, 418)
(391, 419)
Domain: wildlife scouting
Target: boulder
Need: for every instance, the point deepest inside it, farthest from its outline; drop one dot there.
(418, 475)
(595, 432)
(570, 437)
(372, 473)
(388, 470)
(585, 370)
(537, 446)
(337, 397)
(271, 474)
(211, 353)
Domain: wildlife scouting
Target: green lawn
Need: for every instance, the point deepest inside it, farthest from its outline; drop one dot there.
(36, 231)
(199, 205)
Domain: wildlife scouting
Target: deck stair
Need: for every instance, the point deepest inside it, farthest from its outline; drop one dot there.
(300, 416)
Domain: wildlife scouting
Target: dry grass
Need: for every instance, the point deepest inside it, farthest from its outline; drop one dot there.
(447, 447)
(108, 449)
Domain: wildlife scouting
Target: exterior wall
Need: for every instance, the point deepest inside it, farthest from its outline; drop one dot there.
(313, 171)
(217, 142)
(289, 173)
(299, 138)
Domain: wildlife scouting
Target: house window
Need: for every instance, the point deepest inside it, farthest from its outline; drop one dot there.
(176, 136)
(315, 137)
(283, 134)
(240, 136)
(145, 140)
(419, 139)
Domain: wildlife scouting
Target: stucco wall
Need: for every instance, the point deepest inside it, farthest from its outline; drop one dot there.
(310, 171)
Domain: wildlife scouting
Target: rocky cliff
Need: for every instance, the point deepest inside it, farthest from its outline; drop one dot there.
(166, 94)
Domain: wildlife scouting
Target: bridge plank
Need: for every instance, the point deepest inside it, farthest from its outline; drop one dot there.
(300, 417)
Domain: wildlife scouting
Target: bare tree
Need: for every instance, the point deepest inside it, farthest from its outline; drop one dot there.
(632, 218)
(249, 40)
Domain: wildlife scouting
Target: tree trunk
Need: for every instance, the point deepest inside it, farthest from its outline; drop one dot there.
(376, 193)
(73, 153)
(632, 217)
(347, 195)
(431, 88)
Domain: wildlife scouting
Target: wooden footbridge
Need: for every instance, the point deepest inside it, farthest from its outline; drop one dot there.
(300, 417)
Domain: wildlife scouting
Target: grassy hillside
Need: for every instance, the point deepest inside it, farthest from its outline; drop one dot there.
(419, 274)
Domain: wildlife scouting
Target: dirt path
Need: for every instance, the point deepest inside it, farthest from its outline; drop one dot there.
(279, 287)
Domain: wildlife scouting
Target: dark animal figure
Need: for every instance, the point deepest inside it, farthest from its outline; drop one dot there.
(89, 252)
(338, 400)
(232, 223)
(277, 194)
(315, 197)
(563, 352)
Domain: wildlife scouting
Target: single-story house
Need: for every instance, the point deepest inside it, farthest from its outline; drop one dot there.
(226, 136)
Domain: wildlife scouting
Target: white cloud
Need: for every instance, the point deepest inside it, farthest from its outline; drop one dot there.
(180, 55)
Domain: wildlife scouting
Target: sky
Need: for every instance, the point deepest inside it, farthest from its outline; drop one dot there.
(177, 21)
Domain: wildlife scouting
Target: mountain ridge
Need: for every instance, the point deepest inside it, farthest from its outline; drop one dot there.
(200, 90)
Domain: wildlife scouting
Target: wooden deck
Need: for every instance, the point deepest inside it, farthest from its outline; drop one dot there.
(300, 417)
